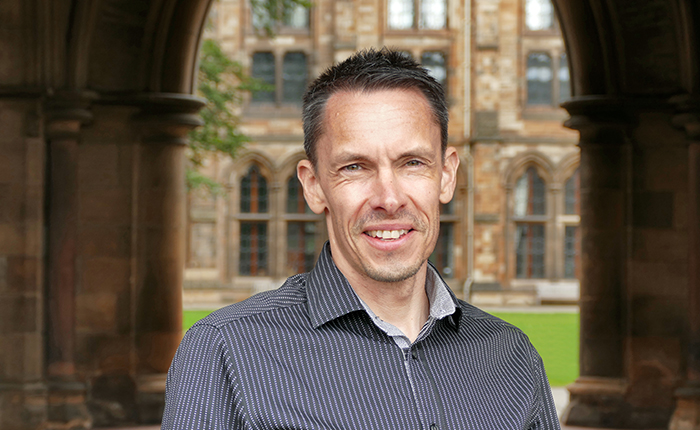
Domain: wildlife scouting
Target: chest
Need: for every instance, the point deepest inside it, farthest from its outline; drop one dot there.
(349, 381)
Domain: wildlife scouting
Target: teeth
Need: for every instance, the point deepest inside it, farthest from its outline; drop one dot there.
(387, 234)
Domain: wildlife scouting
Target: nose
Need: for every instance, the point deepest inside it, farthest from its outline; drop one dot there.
(387, 193)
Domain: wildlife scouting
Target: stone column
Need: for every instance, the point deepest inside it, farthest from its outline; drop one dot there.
(66, 114)
(160, 223)
(687, 413)
(597, 395)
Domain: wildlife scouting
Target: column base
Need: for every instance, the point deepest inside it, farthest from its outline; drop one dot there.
(595, 402)
(67, 406)
(22, 405)
(687, 413)
(150, 398)
(601, 402)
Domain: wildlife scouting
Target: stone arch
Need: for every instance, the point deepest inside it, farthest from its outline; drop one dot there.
(126, 67)
(566, 167)
(545, 168)
(237, 168)
(288, 164)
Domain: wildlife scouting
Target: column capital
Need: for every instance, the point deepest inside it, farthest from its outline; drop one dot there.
(687, 114)
(167, 117)
(67, 111)
(600, 119)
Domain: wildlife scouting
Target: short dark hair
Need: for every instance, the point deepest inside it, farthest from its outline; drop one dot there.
(370, 70)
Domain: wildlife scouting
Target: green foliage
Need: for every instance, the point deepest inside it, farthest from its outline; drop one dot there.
(221, 81)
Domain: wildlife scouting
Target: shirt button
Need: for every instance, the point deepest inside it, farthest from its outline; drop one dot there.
(414, 354)
(433, 426)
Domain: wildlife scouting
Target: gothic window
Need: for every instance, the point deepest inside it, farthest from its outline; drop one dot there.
(571, 194)
(289, 80)
(572, 245)
(572, 242)
(253, 231)
(539, 79)
(443, 256)
(564, 78)
(263, 69)
(529, 214)
(539, 15)
(294, 77)
(417, 14)
(435, 62)
(295, 17)
(302, 225)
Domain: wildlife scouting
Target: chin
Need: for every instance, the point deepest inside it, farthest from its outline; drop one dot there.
(390, 275)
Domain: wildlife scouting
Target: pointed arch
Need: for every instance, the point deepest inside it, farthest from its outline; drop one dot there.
(543, 164)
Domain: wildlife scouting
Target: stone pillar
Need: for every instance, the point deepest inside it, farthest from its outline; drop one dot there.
(159, 251)
(66, 114)
(597, 396)
(687, 413)
(23, 390)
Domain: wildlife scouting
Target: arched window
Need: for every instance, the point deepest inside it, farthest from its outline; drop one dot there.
(412, 14)
(539, 79)
(539, 15)
(253, 232)
(529, 214)
(253, 192)
(263, 68)
(435, 62)
(564, 79)
(443, 256)
(572, 240)
(294, 77)
(289, 82)
(301, 230)
(294, 17)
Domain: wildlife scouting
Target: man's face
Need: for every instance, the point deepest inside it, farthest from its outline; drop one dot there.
(380, 178)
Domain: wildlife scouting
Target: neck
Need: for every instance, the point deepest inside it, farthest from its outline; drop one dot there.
(403, 304)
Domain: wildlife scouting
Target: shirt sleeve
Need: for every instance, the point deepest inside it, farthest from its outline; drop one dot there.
(201, 389)
(546, 417)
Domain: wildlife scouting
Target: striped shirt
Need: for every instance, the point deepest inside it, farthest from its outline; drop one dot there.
(309, 356)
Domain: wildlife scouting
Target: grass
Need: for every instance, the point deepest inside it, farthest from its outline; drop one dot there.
(191, 317)
(555, 335)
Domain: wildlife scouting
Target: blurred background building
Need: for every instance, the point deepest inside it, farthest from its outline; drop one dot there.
(510, 235)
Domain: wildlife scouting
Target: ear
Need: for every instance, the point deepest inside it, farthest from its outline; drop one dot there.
(449, 175)
(313, 193)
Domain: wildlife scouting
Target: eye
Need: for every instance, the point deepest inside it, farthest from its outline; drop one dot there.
(414, 163)
(352, 167)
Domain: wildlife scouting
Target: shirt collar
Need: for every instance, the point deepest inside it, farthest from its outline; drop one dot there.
(331, 296)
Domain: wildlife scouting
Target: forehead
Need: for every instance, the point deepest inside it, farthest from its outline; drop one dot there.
(355, 111)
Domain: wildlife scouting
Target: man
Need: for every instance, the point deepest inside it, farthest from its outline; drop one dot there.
(372, 337)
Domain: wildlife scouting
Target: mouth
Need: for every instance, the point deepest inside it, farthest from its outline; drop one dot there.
(387, 235)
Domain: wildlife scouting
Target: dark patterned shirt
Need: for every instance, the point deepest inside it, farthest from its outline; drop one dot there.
(309, 356)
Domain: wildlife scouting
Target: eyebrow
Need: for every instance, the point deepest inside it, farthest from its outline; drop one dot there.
(351, 156)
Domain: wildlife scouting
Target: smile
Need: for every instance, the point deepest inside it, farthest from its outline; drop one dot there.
(386, 234)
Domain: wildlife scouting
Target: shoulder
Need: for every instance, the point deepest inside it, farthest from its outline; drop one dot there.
(291, 294)
(480, 323)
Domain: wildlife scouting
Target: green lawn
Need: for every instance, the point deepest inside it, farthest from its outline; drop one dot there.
(555, 335)
(191, 317)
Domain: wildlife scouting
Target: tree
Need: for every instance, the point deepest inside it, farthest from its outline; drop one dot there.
(222, 82)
